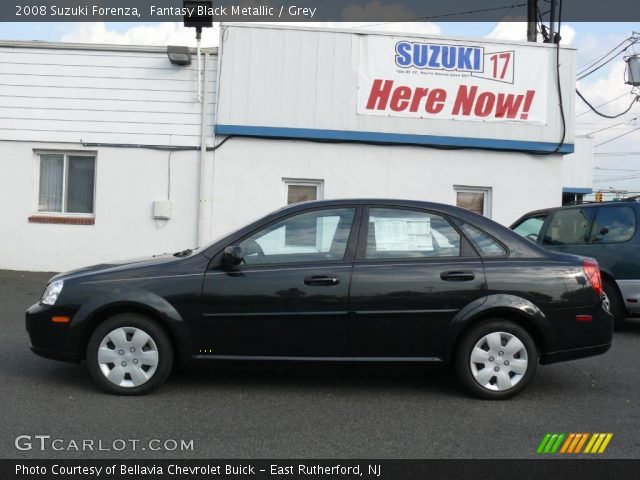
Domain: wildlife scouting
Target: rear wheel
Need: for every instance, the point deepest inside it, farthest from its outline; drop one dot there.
(496, 359)
(612, 302)
(129, 354)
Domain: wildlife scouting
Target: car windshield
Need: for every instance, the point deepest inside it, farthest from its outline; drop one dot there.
(530, 228)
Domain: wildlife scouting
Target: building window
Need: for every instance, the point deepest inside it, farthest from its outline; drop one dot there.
(297, 191)
(476, 199)
(66, 183)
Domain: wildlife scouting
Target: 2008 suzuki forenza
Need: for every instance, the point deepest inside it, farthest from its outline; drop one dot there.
(349, 280)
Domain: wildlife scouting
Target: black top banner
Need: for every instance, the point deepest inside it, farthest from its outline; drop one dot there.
(317, 10)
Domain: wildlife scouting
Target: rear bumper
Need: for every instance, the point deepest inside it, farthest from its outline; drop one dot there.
(574, 353)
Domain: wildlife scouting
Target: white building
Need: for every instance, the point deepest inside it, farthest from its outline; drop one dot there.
(99, 144)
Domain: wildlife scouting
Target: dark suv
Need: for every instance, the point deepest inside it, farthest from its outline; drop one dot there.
(605, 231)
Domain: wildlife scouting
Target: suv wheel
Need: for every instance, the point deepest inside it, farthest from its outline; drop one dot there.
(612, 302)
(496, 359)
(129, 354)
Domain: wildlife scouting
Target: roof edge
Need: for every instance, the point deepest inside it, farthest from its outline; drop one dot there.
(94, 46)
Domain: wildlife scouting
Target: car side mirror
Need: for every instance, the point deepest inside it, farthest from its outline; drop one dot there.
(232, 255)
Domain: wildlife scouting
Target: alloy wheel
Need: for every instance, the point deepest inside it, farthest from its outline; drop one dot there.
(498, 361)
(128, 357)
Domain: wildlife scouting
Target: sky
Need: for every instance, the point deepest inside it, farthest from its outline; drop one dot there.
(617, 162)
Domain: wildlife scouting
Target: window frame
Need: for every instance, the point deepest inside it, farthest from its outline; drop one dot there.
(467, 251)
(487, 206)
(302, 182)
(347, 257)
(36, 212)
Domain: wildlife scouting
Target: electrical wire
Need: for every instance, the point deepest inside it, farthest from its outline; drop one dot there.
(591, 63)
(619, 136)
(605, 103)
(612, 126)
(562, 116)
(453, 14)
(604, 114)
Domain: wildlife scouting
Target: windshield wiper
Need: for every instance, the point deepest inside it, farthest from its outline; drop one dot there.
(183, 253)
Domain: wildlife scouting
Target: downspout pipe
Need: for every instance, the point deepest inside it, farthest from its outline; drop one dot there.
(205, 194)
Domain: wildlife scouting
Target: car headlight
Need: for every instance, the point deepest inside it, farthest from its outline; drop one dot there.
(52, 292)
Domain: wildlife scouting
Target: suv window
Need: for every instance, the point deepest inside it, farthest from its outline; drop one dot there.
(319, 235)
(486, 245)
(569, 227)
(397, 233)
(530, 227)
(613, 225)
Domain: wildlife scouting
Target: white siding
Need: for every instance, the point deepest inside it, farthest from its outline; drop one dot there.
(305, 78)
(577, 168)
(100, 96)
(352, 170)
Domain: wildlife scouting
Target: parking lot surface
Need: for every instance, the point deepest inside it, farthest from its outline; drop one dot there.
(250, 410)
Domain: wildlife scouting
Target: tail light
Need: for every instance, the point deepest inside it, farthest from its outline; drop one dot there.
(592, 271)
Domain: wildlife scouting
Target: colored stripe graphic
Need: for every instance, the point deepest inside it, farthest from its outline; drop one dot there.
(573, 443)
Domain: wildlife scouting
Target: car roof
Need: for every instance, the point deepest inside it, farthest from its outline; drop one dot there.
(533, 213)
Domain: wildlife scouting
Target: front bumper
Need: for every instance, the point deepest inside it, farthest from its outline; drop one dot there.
(59, 341)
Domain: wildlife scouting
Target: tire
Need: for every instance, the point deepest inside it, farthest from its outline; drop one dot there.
(492, 384)
(616, 304)
(129, 354)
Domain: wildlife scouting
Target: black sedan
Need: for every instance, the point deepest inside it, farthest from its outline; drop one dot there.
(341, 280)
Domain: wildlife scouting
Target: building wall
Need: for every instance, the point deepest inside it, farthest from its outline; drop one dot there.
(74, 93)
(307, 78)
(577, 168)
(127, 182)
(249, 173)
(63, 97)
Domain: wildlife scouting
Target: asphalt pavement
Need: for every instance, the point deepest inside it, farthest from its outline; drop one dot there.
(250, 410)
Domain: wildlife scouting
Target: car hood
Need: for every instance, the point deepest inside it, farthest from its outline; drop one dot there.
(119, 265)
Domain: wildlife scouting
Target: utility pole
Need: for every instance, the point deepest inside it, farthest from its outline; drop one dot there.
(532, 20)
(552, 22)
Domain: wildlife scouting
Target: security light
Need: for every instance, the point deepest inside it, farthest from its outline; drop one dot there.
(179, 55)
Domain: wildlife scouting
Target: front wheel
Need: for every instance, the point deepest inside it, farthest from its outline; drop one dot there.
(496, 359)
(129, 354)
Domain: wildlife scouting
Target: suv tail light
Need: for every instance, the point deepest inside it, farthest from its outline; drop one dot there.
(592, 271)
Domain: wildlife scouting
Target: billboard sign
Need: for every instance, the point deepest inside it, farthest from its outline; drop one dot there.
(475, 81)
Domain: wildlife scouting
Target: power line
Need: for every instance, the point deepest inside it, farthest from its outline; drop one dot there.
(612, 126)
(605, 103)
(619, 136)
(454, 14)
(590, 63)
(603, 114)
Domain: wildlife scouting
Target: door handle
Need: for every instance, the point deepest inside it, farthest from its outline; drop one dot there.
(457, 276)
(320, 280)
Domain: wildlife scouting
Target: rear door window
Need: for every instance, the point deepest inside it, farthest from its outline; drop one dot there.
(398, 233)
(530, 228)
(613, 224)
(569, 227)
